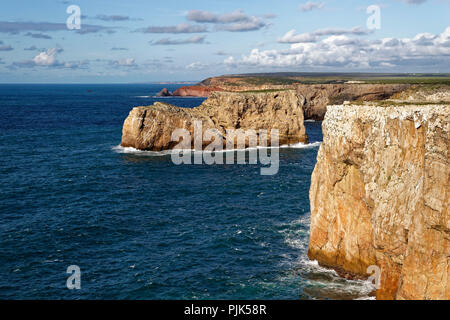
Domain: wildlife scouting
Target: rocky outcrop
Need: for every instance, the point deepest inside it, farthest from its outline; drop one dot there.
(151, 128)
(380, 196)
(195, 91)
(164, 93)
(317, 97)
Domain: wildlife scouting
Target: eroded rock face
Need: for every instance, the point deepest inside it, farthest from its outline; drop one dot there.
(151, 128)
(380, 196)
(317, 97)
(195, 91)
(164, 93)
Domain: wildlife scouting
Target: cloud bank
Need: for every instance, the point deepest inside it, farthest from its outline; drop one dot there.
(293, 37)
(344, 52)
(236, 21)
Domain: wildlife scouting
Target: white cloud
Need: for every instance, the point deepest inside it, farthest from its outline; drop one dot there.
(309, 6)
(197, 66)
(230, 61)
(342, 51)
(47, 58)
(236, 21)
(209, 17)
(292, 36)
(251, 25)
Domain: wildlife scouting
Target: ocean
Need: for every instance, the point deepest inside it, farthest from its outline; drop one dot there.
(138, 226)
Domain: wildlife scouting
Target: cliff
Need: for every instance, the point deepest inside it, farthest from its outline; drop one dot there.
(317, 97)
(380, 196)
(195, 91)
(150, 128)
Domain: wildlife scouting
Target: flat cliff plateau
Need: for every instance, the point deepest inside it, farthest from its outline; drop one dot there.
(380, 196)
(151, 127)
(319, 96)
(316, 96)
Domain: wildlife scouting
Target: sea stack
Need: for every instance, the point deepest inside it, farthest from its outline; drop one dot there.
(151, 127)
(164, 93)
(380, 197)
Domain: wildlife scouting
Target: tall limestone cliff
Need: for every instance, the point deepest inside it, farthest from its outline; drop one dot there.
(151, 128)
(380, 196)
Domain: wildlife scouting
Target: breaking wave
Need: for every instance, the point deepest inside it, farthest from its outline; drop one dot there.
(321, 282)
(131, 150)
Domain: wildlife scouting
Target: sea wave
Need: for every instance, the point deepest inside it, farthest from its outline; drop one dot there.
(316, 275)
(131, 150)
(302, 145)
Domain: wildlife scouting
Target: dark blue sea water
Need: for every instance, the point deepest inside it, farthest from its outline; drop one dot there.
(138, 226)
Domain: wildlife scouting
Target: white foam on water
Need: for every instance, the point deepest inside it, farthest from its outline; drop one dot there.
(366, 298)
(295, 237)
(131, 150)
(314, 266)
(302, 145)
(360, 288)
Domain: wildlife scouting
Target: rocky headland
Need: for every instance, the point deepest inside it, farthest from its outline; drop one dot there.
(196, 91)
(380, 197)
(317, 95)
(151, 127)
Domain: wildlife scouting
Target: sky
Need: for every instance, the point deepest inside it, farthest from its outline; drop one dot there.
(138, 41)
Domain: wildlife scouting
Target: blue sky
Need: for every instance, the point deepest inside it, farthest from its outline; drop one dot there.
(142, 41)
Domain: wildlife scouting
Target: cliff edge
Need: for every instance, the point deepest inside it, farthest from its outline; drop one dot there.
(151, 127)
(380, 196)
